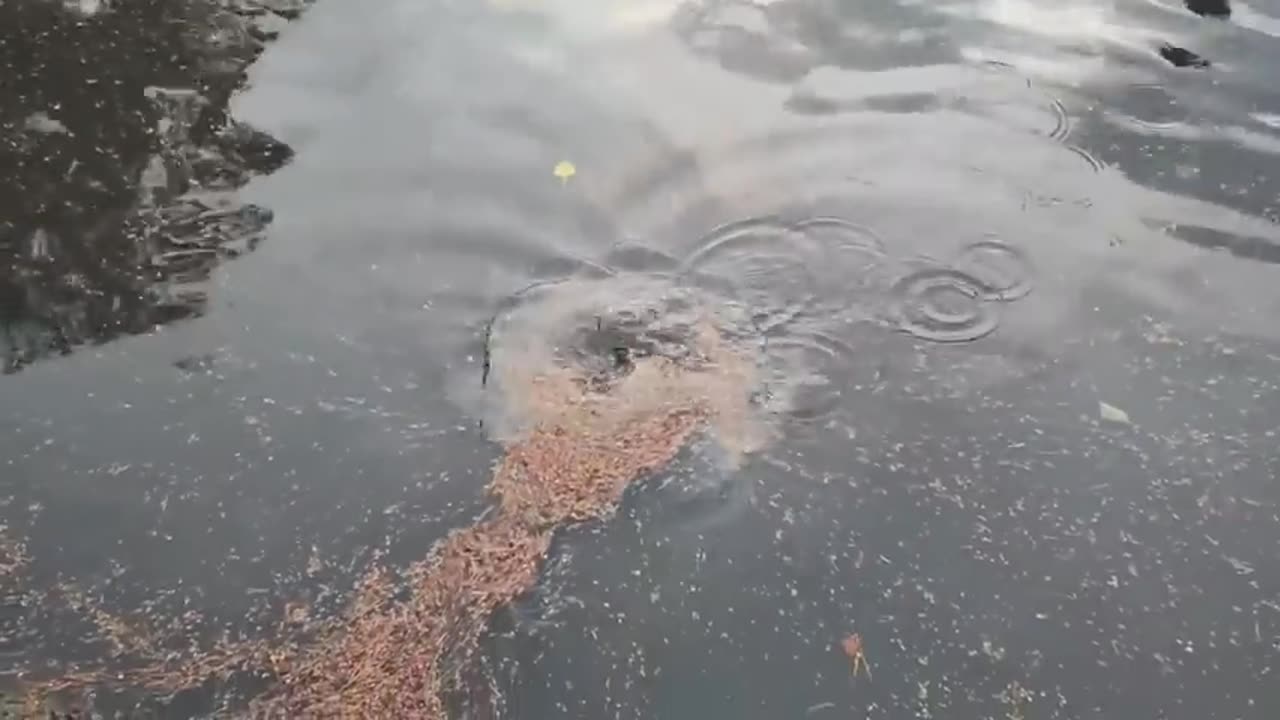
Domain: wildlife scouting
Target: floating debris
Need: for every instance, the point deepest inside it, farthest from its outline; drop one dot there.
(576, 434)
(397, 659)
(1113, 414)
(852, 646)
(564, 170)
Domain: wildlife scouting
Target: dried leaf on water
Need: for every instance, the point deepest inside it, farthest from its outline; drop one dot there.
(1113, 414)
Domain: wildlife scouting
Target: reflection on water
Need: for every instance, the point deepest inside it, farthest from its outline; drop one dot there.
(1210, 8)
(1006, 277)
(118, 172)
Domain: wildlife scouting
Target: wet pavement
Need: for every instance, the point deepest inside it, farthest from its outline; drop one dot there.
(1012, 264)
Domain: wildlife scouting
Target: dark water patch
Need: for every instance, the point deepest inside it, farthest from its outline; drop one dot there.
(700, 494)
(1209, 8)
(1150, 105)
(1172, 146)
(1241, 246)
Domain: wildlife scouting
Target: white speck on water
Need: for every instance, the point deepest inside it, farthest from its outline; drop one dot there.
(1241, 567)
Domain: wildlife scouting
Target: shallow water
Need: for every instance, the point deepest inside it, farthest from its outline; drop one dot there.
(1013, 273)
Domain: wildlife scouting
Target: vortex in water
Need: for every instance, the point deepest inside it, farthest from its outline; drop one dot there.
(1002, 270)
(942, 305)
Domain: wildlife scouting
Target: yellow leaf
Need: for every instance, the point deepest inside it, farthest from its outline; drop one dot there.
(564, 170)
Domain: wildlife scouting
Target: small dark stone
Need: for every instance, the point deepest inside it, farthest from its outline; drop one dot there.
(1182, 57)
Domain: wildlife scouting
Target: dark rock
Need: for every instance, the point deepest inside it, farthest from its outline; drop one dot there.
(1182, 57)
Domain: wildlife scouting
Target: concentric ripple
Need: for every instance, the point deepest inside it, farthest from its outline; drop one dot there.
(852, 252)
(1003, 271)
(942, 304)
(805, 374)
(763, 263)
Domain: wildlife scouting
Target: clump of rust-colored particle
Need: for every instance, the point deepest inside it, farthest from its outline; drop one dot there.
(391, 659)
(575, 442)
(395, 659)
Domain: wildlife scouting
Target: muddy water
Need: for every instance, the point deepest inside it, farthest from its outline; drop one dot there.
(1009, 273)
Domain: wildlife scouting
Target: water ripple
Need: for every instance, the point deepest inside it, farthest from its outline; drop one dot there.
(806, 370)
(761, 262)
(942, 304)
(1003, 271)
(852, 251)
(1094, 164)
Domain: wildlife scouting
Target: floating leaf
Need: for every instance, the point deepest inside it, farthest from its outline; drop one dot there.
(564, 170)
(1113, 414)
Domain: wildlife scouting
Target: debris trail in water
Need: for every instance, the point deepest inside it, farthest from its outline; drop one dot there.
(576, 436)
(588, 443)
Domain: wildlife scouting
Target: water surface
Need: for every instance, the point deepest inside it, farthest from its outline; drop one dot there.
(1017, 269)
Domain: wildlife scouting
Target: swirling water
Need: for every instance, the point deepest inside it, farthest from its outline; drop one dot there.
(962, 234)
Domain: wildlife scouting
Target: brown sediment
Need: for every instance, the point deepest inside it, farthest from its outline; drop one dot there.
(580, 441)
(389, 659)
(396, 659)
